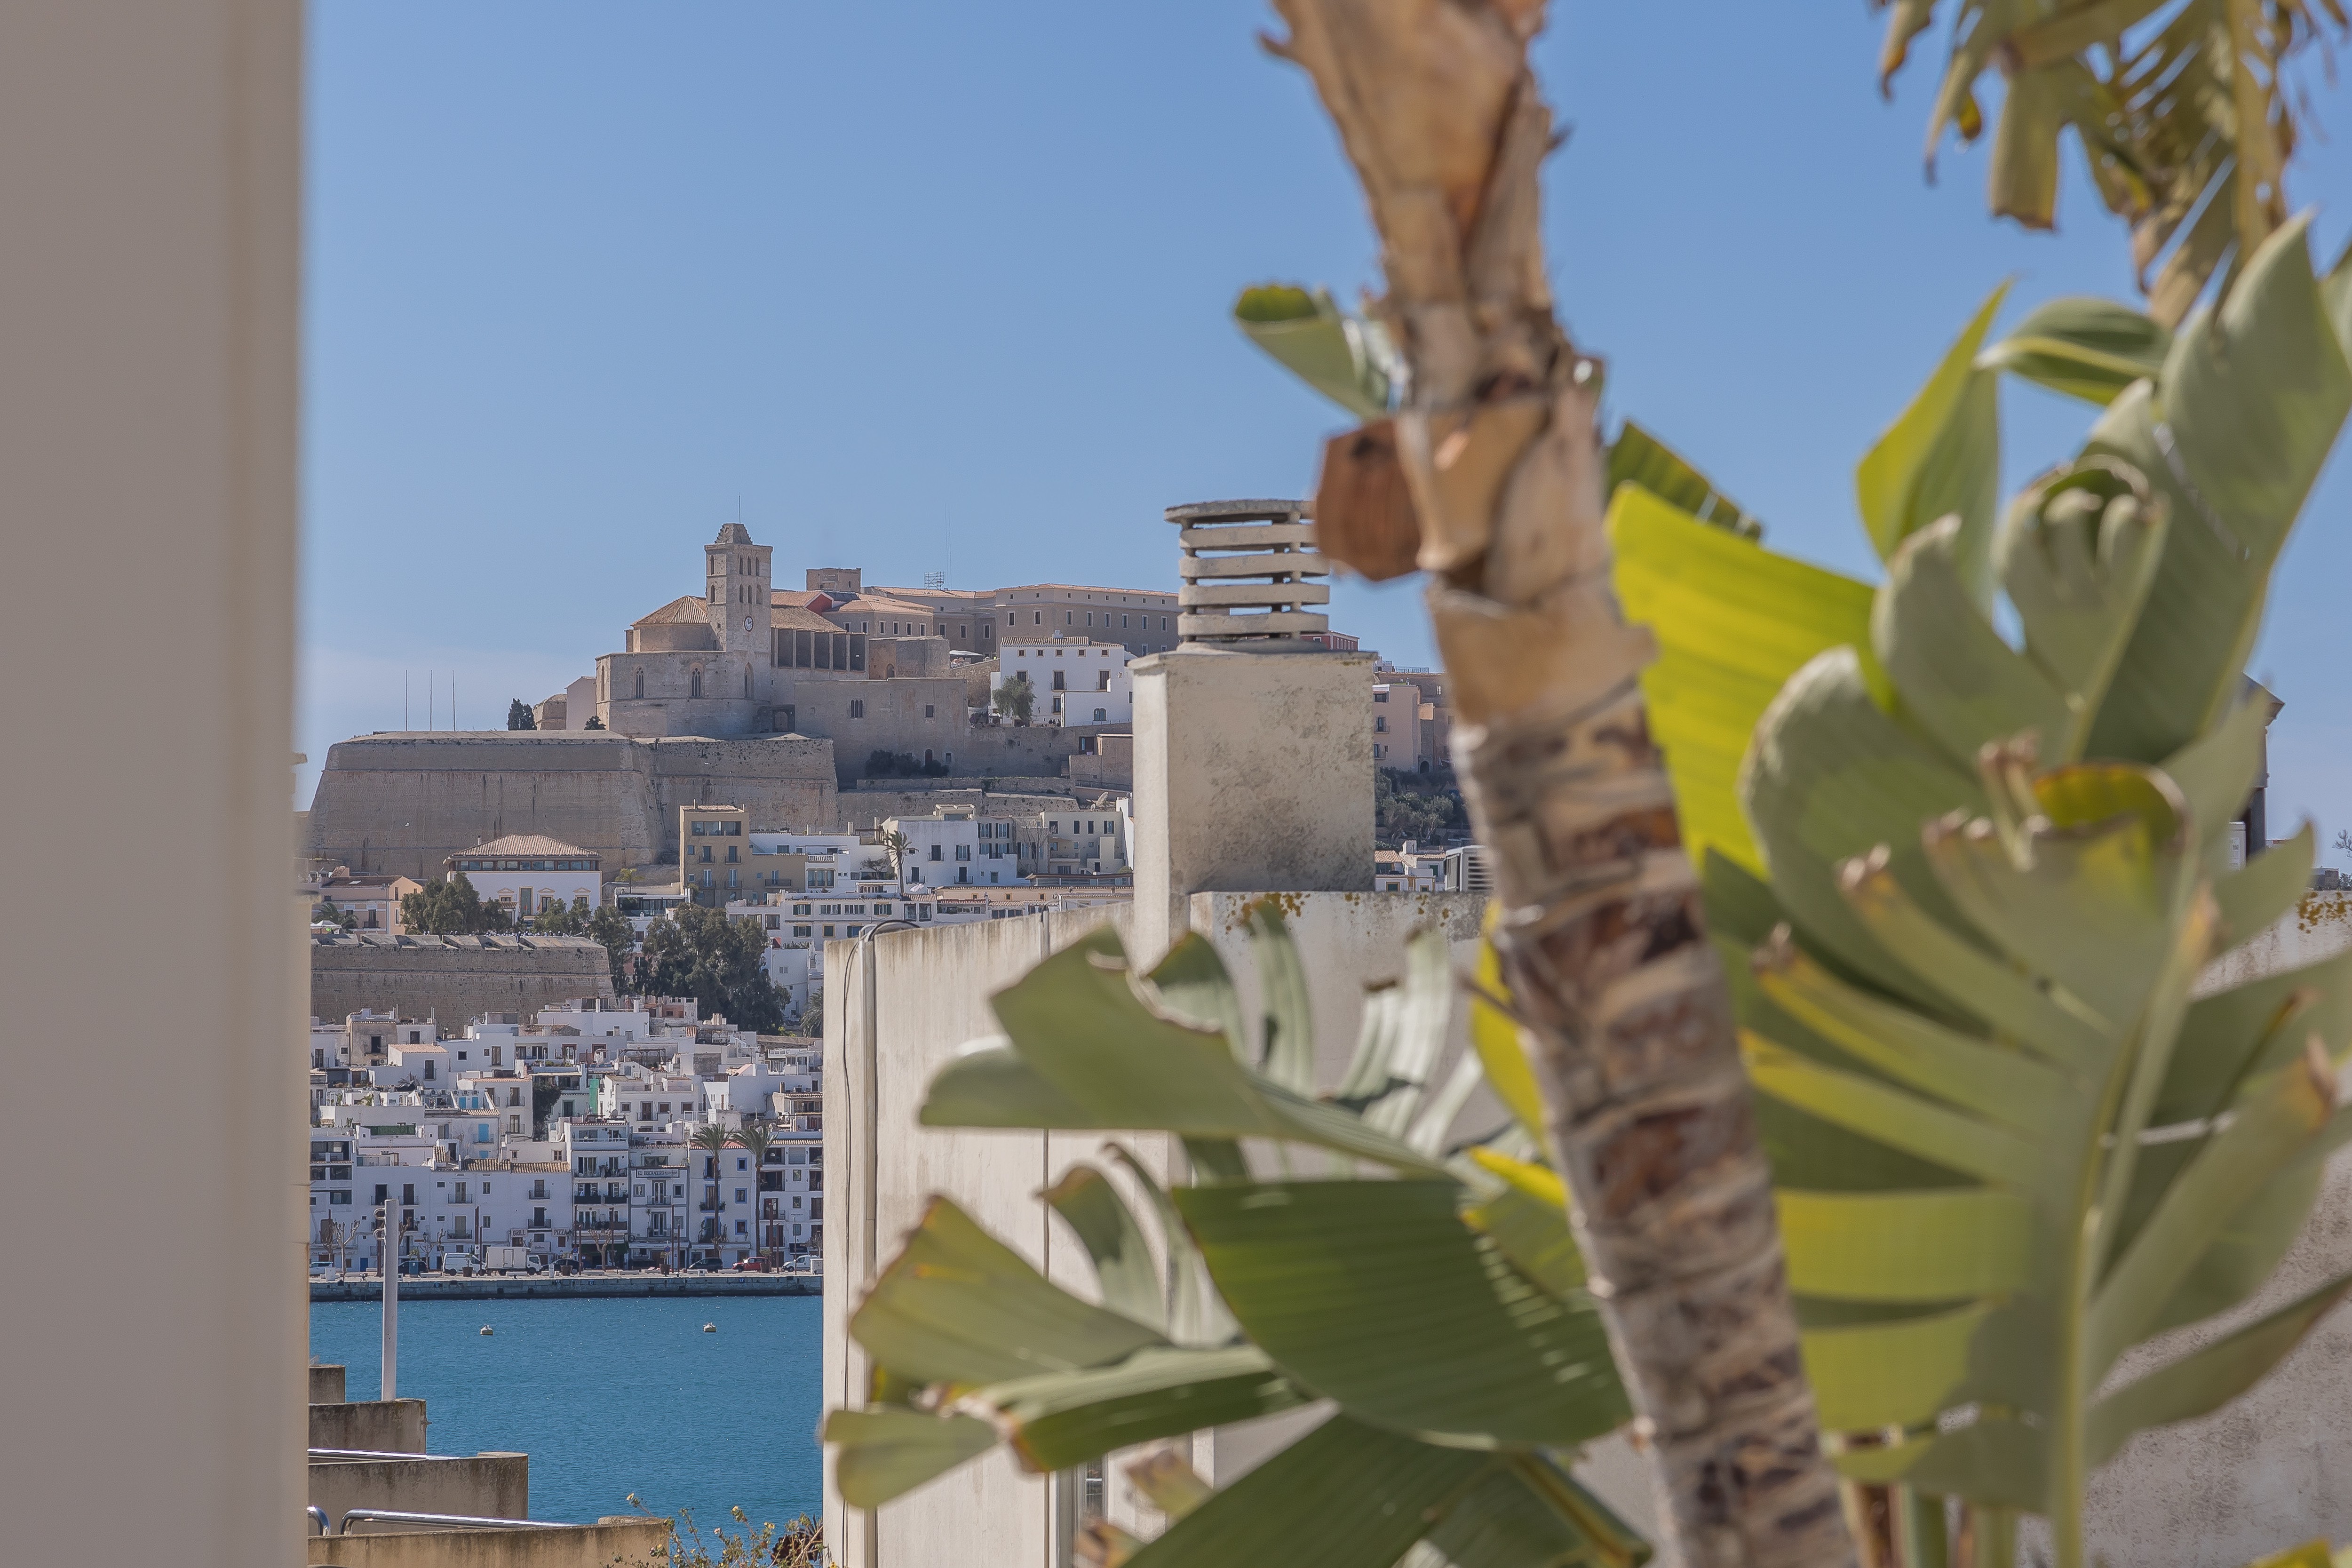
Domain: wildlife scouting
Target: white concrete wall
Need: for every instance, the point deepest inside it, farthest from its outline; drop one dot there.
(932, 988)
(150, 168)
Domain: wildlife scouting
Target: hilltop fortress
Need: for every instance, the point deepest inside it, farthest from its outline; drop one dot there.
(401, 802)
(744, 694)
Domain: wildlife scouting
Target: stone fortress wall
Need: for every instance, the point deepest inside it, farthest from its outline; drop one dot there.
(402, 803)
(453, 978)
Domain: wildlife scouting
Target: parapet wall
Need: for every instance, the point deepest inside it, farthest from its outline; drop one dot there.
(402, 803)
(453, 978)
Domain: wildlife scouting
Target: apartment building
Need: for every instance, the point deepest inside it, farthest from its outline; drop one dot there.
(1076, 680)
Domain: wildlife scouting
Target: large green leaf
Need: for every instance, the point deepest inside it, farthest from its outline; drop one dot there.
(957, 1306)
(883, 1454)
(1376, 1294)
(2278, 1119)
(1192, 985)
(1345, 1496)
(2233, 434)
(2076, 555)
(1638, 457)
(1906, 1122)
(1947, 1245)
(1346, 358)
(1830, 776)
(2250, 1028)
(1526, 1512)
(1100, 1057)
(1941, 457)
(1060, 1419)
(1733, 621)
(1115, 1244)
(1961, 683)
(2210, 1376)
(1895, 1374)
(1287, 1051)
(2087, 348)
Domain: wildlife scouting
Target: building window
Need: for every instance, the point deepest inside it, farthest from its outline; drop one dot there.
(1059, 685)
(1102, 715)
(694, 682)
(856, 709)
(935, 852)
(929, 711)
(1102, 680)
(641, 683)
(747, 683)
(1380, 723)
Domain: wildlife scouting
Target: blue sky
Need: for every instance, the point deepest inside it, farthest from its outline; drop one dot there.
(942, 287)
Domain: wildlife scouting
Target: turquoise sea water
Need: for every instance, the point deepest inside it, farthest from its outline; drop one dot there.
(610, 1397)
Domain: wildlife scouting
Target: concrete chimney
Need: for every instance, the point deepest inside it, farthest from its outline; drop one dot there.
(1253, 739)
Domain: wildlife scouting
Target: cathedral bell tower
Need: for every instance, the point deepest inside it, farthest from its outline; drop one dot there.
(736, 577)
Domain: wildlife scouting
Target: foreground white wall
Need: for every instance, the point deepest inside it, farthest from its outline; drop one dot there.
(931, 996)
(150, 175)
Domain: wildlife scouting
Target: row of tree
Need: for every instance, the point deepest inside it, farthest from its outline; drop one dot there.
(698, 953)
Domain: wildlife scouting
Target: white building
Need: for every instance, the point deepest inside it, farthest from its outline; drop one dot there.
(647, 1099)
(1077, 679)
(596, 1155)
(657, 1199)
(1408, 870)
(529, 872)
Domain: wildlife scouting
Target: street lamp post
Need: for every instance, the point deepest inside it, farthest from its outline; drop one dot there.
(387, 1253)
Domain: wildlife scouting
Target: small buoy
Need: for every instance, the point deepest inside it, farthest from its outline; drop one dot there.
(486, 1328)
(709, 1328)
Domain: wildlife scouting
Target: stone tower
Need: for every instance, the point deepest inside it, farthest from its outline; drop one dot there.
(736, 575)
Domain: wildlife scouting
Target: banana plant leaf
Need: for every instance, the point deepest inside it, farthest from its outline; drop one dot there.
(1443, 1311)
(1347, 359)
(1378, 1295)
(2008, 1146)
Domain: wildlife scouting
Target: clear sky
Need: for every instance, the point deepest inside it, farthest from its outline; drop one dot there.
(944, 288)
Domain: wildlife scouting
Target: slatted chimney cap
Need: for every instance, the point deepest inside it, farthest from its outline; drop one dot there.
(1259, 510)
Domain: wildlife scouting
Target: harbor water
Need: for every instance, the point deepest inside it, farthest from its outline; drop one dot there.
(610, 1397)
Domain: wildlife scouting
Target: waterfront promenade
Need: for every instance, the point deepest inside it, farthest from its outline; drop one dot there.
(562, 1287)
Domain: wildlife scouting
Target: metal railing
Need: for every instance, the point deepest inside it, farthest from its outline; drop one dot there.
(446, 1520)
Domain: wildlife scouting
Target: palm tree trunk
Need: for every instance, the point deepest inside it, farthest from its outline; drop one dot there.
(1602, 933)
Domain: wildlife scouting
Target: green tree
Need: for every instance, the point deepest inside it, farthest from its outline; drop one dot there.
(720, 963)
(1406, 805)
(594, 722)
(326, 910)
(560, 918)
(896, 844)
(609, 926)
(755, 1138)
(1015, 698)
(712, 1140)
(451, 908)
(519, 716)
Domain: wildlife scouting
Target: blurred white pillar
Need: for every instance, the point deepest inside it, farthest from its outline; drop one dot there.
(150, 175)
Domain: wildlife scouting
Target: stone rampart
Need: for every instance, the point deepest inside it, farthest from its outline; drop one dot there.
(402, 803)
(453, 978)
(1026, 751)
